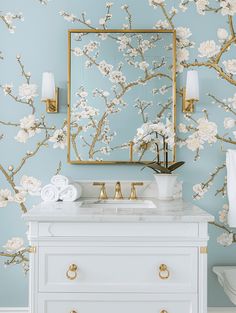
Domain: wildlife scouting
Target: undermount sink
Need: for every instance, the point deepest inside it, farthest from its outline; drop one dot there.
(118, 204)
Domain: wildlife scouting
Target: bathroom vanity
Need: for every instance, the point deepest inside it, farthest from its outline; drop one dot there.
(101, 256)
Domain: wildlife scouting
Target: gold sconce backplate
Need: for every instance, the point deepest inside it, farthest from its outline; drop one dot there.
(187, 105)
(52, 105)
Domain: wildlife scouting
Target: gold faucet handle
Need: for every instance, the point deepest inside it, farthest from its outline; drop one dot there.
(133, 194)
(103, 193)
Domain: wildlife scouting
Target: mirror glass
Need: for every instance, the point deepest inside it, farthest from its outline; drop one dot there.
(121, 84)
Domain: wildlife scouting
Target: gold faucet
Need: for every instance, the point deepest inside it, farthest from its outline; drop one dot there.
(133, 194)
(118, 193)
(103, 193)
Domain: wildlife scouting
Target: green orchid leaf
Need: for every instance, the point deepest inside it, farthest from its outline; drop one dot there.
(176, 165)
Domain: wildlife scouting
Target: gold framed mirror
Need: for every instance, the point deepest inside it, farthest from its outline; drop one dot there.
(121, 83)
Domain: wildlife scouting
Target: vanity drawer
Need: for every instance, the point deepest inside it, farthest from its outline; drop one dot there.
(118, 269)
(114, 304)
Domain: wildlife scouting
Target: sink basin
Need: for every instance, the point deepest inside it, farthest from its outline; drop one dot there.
(118, 204)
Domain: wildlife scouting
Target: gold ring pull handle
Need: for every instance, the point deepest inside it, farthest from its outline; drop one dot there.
(72, 274)
(164, 273)
(162, 311)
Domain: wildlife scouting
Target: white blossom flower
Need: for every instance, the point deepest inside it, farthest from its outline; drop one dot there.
(5, 197)
(183, 33)
(117, 77)
(208, 49)
(230, 66)
(194, 142)
(228, 7)
(109, 4)
(199, 190)
(207, 131)
(58, 139)
(69, 17)
(222, 34)
(105, 68)
(29, 127)
(162, 24)
(223, 214)
(14, 244)
(102, 21)
(30, 185)
(201, 6)
(182, 55)
(229, 122)
(155, 3)
(28, 91)
(225, 239)
(7, 88)
(78, 52)
(20, 197)
(123, 41)
(182, 128)
(143, 65)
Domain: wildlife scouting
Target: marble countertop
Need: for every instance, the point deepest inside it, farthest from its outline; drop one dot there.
(165, 211)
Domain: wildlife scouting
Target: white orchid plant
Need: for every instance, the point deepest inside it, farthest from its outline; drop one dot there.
(158, 137)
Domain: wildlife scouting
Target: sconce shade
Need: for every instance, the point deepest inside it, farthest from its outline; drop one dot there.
(192, 86)
(48, 86)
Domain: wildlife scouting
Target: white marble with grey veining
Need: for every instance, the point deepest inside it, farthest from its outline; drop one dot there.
(164, 211)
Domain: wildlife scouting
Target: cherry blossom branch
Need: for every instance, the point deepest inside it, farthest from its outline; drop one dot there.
(12, 184)
(208, 183)
(222, 104)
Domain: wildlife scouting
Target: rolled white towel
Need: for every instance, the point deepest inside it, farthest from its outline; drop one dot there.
(71, 192)
(60, 181)
(50, 193)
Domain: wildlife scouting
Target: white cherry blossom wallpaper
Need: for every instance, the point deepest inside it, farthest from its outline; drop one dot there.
(33, 144)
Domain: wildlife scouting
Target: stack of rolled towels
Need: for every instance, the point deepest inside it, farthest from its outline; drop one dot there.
(61, 188)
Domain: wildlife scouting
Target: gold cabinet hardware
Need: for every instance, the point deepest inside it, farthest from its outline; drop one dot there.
(164, 273)
(118, 194)
(72, 273)
(162, 311)
(133, 194)
(103, 193)
(32, 249)
(203, 250)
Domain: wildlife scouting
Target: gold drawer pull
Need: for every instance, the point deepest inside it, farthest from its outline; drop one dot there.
(71, 274)
(162, 311)
(164, 273)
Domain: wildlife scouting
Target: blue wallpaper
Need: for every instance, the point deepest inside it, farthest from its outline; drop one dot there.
(29, 158)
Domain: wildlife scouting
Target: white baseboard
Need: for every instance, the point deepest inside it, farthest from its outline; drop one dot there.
(25, 310)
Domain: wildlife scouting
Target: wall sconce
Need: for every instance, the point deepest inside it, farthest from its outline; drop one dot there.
(191, 92)
(50, 93)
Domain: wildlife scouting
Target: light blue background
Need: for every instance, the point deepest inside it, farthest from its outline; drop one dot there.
(42, 41)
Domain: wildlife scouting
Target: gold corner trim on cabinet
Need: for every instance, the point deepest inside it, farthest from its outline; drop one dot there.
(32, 249)
(203, 250)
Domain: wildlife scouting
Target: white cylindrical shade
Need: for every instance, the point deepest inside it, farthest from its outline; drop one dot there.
(192, 86)
(48, 86)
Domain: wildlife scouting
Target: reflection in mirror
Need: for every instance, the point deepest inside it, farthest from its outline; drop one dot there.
(122, 95)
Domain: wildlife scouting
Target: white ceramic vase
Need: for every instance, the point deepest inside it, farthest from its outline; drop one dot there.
(165, 185)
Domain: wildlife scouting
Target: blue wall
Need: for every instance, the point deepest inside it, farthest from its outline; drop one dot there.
(41, 40)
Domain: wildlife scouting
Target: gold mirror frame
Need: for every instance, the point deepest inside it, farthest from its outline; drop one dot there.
(174, 90)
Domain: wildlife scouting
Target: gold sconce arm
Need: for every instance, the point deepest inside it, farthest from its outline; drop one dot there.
(52, 105)
(188, 106)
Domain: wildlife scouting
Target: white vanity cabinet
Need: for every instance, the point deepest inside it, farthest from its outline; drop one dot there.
(142, 261)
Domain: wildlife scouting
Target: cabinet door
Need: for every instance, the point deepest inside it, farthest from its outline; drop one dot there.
(118, 269)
